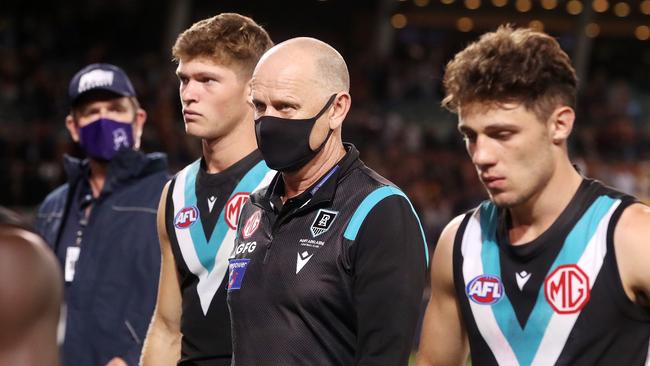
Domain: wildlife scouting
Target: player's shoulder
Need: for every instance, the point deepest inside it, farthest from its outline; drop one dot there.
(632, 248)
(633, 227)
(630, 235)
(442, 259)
(448, 234)
(191, 168)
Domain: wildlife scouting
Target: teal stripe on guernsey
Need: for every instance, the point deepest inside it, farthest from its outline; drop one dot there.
(366, 206)
(525, 342)
(206, 251)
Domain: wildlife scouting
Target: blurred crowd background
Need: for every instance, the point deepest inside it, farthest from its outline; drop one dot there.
(396, 52)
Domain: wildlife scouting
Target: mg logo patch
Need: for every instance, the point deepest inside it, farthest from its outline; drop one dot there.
(252, 224)
(237, 269)
(322, 222)
(485, 289)
(186, 217)
(567, 289)
(233, 208)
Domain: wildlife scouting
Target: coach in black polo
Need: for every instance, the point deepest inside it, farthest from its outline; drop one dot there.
(330, 259)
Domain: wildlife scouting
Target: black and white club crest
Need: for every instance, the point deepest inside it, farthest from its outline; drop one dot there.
(322, 222)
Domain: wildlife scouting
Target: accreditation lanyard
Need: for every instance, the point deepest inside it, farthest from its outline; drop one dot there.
(74, 250)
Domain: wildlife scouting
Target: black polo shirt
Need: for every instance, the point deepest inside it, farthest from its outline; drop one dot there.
(333, 276)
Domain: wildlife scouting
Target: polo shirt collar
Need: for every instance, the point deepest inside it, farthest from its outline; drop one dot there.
(321, 192)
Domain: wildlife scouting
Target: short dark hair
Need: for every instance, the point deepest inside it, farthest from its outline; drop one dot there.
(229, 39)
(511, 65)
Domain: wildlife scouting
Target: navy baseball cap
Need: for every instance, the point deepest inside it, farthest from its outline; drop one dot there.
(100, 77)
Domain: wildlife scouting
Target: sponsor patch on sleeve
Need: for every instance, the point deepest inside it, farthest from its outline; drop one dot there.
(237, 269)
(252, 224)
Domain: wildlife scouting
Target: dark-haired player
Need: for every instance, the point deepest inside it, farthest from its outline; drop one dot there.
(552, 270)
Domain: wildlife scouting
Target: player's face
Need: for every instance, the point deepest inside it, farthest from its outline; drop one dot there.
(213, 97)
(511, 150)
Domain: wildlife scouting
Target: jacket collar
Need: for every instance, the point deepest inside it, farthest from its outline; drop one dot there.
(125, 166)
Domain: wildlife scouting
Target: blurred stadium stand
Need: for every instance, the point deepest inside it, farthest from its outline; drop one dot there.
(396, 51)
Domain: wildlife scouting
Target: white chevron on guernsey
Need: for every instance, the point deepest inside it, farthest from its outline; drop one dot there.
(208, 281)
(485, 320)
(560, 325)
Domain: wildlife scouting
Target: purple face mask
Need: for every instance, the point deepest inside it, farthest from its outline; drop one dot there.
(103, 138)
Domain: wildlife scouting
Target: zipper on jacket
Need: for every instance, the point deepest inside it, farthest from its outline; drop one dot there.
(271, 238)
(279, 220)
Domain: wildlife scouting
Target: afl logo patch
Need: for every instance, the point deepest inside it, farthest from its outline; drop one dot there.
(485, 289)
(186, 217)
(233, 208)
(252, 224)
(567, 289)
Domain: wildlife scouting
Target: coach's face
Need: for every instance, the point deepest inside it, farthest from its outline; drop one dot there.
(286, 85)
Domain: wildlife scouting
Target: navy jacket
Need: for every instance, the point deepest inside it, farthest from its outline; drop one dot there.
(112, 297)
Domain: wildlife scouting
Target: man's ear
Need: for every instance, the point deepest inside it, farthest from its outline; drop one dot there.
(138, 126)
(248, 90)
(340, 109)
(561, 124)
(73, 127)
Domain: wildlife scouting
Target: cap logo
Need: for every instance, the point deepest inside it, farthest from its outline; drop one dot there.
(94, 79)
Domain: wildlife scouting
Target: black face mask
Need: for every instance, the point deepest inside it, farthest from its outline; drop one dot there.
(284, 143)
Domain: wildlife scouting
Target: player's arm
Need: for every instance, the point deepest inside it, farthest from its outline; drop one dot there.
(632, 252)
(162, 345)
(443, 340)
(389, 269)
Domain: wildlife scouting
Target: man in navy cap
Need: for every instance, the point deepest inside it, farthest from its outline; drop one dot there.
(101, 224)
